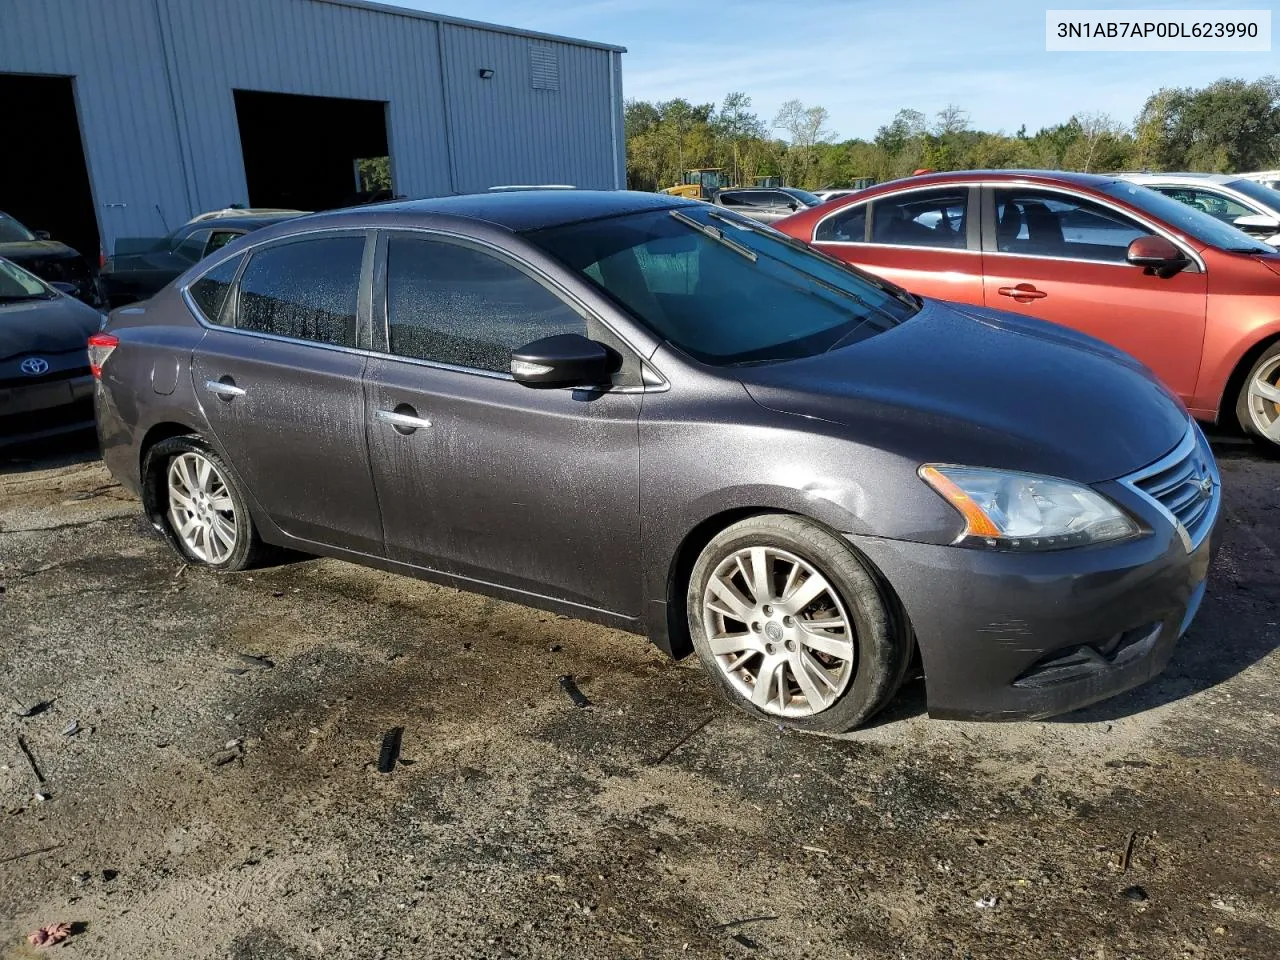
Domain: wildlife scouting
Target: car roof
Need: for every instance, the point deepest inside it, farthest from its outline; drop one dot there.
(516, 210)
(252, 221)
(1048, 177)
(227, 213)
(1187, 178)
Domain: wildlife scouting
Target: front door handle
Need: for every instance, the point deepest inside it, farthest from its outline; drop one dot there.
(224, 388)
(404, 418)
(1023, 293)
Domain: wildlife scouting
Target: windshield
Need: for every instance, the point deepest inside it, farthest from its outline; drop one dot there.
(1260, 192)
(1196, 223)
(16, 284)
(724, 289)
(11, 231)
(804, 196)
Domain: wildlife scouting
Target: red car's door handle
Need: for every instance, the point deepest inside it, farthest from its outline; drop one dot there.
(1023, 293)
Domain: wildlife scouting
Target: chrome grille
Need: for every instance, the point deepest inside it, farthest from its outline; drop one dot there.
(1185, 486)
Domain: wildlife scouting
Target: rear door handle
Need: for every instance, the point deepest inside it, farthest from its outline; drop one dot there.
(1023, 292)
(404, 418)
(225, 390)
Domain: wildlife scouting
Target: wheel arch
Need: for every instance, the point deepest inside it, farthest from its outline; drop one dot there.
(1231, 392)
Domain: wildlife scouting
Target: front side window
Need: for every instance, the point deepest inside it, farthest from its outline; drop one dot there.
(456, 304)
(1042, 223)
(849, 225)
(724, 289)
(922, 218)
(219, 240)
(210, 291)
(306, 290)
(1217, 205)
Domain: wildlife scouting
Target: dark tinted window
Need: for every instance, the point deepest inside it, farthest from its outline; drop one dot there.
(847, 226)
(210, 291)
(922, 218)
(455, 304)
(219, 240)
(306, 290)
(191, 247)
(1045, 224)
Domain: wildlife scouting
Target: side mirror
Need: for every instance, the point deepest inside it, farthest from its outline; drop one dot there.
(42, 235)
(565, 360)
(793, 205)
(1156, 255)
(68, 289)
(1258, 223)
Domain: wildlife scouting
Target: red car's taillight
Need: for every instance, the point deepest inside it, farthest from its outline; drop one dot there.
(100, 347)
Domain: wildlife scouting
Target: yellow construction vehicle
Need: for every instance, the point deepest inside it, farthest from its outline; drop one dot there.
(700, 184)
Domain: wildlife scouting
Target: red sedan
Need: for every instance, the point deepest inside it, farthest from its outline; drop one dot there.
(1193, 298)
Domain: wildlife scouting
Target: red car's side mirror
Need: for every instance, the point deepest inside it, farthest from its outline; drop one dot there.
(1156, 255)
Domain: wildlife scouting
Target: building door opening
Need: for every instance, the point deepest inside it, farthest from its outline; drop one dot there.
(44, 181)
(312, 153)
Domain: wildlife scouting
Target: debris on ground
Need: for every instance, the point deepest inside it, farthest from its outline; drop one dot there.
(1135, 893)
(72, 728)
(744, 921)
(263, 663)
(390, 751)
(35, 768)
(233, 750)
(1128, 851)
(682, 741)
(30, 853)
(25, 710)
(986, 903)
(50, 935)
(577, 696)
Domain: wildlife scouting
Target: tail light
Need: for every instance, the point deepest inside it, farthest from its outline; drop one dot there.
(101, 346)
(102, 257)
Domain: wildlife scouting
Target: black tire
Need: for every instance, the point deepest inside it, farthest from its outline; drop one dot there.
(1245, 415)
(248, 550)
(881, 641)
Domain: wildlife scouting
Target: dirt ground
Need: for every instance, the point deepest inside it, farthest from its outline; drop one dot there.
(217, 804)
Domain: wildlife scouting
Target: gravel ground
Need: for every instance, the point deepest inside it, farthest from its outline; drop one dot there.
(221, 797)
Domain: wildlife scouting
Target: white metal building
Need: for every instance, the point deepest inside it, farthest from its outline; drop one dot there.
(130, 116)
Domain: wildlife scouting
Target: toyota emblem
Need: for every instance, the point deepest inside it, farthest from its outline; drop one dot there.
(34, 366)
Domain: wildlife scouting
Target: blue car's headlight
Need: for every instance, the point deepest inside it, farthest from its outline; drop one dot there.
(1004, 510)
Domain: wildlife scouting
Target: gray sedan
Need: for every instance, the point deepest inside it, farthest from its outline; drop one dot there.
(659, 415)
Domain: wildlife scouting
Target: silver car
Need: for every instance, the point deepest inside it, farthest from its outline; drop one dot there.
(766, 205)
(1240, 201)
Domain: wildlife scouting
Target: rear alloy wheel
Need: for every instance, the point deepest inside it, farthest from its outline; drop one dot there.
(1258, 407)
(793, 626)
(201, 510)
(200, 507)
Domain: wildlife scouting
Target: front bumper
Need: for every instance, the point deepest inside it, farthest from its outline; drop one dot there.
(1007, 636)
(45, 409)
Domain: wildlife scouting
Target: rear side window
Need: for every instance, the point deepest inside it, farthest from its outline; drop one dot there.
(306, 290)
(455, 304)
(922, 218)
(210, 291)
(847, 226)
(191, 247)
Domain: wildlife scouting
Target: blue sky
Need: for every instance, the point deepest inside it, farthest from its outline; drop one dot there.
(864, 59)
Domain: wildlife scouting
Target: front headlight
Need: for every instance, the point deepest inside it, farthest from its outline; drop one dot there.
(1022, 511)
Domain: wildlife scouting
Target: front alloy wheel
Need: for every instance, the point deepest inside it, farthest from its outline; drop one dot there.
(1264, 398)
(779, 631)
(793, 626)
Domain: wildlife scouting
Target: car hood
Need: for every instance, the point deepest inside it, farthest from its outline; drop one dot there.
(967, 385)
(36, 250)
(45, 326)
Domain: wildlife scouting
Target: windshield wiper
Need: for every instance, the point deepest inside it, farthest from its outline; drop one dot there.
(716, 235)
(902, 296)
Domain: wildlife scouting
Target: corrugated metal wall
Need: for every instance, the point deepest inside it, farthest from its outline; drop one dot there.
(155, 80)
